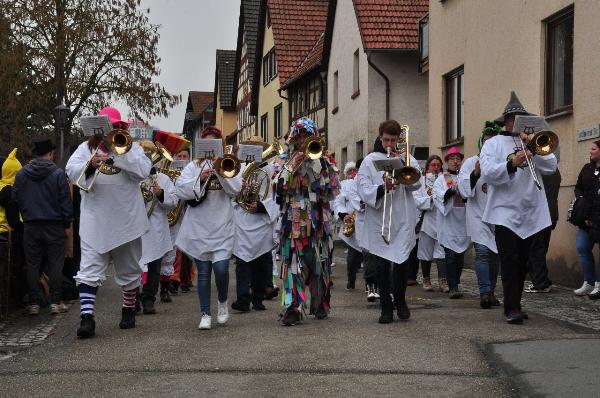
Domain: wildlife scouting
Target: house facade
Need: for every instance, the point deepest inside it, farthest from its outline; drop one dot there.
(199, 113)
(225, 114)
(544, 51)
(371, 49)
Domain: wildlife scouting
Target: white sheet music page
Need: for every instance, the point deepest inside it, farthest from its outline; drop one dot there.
(95, 125)
(530, 124)
(250, 153)
(388, 164)
(206, 148)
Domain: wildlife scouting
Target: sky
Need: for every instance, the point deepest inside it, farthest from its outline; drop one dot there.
(191, 32)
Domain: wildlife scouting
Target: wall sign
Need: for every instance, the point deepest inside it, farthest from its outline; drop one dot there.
(588, 133)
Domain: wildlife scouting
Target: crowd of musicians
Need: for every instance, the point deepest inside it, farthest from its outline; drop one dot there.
(150, 212)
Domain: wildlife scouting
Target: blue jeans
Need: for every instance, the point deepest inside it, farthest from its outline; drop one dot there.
(586, 257)
(454, 266)
(486, 268)
(221, 269)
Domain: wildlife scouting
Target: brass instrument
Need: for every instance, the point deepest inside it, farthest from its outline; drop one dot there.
(541, 143)
(117, 141)
(175, 214)
(405, 175)
(147, 193)
(348, 230)
(312, 148)
(254, 178)
(227, 166)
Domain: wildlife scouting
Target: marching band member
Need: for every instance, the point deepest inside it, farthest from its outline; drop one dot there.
(345, 208)
(516, 208)
(429, 248)
(113, 220)
(389, 258)
(452, 228)
(475, 188)
(156, 242)
(207, 230)
(254, 226)
(304, 189)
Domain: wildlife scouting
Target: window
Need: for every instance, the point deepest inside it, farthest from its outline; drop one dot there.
(269, 67)
(559, 61)
(455, 104)
(277, 120)
(359, 150)
(344, 156)
(268, 18)
(264, 127)
(335, 91)
(424, 44)
(355, 75)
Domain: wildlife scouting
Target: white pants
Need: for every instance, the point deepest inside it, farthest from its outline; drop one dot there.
(126, 258)
(166, 267)
(429, 248)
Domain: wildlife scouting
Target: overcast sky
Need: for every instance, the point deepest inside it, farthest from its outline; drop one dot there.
(191, 32)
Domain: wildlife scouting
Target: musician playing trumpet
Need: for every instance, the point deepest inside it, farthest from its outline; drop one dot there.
(517, 209)
(113, 220)
(391, 257)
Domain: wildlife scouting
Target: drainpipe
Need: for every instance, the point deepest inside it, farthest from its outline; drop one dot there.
(387, 84)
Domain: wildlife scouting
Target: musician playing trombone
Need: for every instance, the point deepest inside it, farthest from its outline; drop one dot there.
(305, 187)
(381, 197)
(113, 220)
(515, 206)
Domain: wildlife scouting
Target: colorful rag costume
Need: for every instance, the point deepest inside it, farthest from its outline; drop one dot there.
(304, 198)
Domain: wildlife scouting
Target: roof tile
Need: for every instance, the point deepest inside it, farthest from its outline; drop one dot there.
(225, 75)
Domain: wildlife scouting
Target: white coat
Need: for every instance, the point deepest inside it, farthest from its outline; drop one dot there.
(156, 242)
(424, 203)
(513, 200)
(113, 212)
(452, 226)
(254, 231)
(404, 215)
(479, 231)
(207, 231)
(343, 203)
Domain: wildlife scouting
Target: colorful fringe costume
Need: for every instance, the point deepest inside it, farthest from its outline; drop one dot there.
(306, 229)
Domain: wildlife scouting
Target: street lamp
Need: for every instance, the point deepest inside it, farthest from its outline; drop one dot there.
(61, 118)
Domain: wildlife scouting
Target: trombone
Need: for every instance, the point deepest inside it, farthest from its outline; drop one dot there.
(405, 175)
(119, 142)
(541, 143)
(227, 166)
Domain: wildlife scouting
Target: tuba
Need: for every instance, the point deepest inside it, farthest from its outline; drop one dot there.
(119, 142)
(254, 177)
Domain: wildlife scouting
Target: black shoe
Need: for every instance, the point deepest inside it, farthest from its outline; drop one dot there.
(454, 293)
(257, 306)
(321, 314)
(291, 317)
(403, 311)
(271, 293)
(165, 297)
(514, 317)
(174, 288)
(240, 306)
(350, 286)
(386, 318)
(87, 327)
(128, 317)
(185, 289)
(485, 301)
(149, 308)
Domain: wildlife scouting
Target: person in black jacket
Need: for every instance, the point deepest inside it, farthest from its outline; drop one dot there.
(587, 187)
(42, 193)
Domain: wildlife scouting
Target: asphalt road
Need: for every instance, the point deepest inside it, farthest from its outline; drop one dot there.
(448, 348)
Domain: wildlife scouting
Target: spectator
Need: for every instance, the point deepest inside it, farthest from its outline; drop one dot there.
(42, 194)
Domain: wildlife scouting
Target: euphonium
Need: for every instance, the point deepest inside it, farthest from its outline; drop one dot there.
(349, 226)
(119, 142)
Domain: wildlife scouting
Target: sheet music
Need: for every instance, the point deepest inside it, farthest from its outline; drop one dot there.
(179, 164)
(208, 148)
(250, 153)
(92, 125)
(530, 124)
(388, 164)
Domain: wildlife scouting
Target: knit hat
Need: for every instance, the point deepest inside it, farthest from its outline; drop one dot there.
(211, 130)
(43, 146)
(303, 124)
(453, 151)
(9, 169)
(514, 107)
(349, 166)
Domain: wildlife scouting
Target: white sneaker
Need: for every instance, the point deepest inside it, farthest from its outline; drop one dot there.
(205, 322)
(222, 313)
(596, 289)
(585, 289)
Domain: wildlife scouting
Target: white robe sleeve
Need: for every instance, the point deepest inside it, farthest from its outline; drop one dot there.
(464, 178)
(545, 164)
(185, 182)
(169, 199)
(135, 163)
(339, 204)
(422, 200)
(232, 186)
(354, 200)
(439, 190)
(78, 161)
(367, 181)
(493, 169)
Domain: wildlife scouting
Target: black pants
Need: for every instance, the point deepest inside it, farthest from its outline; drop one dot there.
(391, 277)
(253, 274)
(413, 263)
(370, 270)
(454, 266)
(425, 269)
(150, 289)
(44, 240)
(353, 260)
(514, 254)
(537, 267)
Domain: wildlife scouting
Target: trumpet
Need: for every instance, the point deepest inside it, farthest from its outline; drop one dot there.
(227, 166)
(541, 143)
(117, 141)
(254, 177)
(312, 148)
(348, 230)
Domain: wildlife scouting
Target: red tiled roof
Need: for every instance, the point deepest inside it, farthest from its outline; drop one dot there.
(312, 60)
(390, 24)
(200, 100)
(297, 24)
